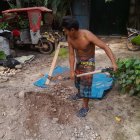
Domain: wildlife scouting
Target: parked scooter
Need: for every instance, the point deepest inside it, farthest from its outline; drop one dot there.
(133, 41)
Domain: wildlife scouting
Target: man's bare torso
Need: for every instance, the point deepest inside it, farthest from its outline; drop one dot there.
(82, 45)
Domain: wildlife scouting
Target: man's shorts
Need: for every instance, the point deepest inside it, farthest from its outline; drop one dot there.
(84, 83)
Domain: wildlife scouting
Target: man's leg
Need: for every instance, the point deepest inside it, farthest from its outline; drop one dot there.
(77, 85)
(84, 110)
(85, 102)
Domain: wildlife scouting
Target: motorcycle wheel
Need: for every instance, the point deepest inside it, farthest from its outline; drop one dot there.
(46, 47)
(131, 46)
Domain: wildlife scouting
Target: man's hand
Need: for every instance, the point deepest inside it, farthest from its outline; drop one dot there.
(115, 67)
(72, 75)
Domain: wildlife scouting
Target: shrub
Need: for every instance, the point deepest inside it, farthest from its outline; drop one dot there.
(128, 75)
(2, 55)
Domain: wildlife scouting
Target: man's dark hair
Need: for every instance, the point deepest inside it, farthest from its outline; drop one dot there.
(69, 22)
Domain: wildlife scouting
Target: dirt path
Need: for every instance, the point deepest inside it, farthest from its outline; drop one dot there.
(47, 114)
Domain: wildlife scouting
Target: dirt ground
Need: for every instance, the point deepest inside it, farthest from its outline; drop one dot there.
(47, 114)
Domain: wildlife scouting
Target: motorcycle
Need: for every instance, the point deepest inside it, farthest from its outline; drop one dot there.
(133, 40)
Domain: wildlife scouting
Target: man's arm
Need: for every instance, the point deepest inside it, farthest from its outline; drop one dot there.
(93, 39)
(71, 60)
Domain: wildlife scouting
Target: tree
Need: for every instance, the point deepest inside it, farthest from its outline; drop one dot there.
(60, 7)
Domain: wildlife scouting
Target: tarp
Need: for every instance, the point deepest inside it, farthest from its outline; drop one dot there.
(100, 85)
(57, 70)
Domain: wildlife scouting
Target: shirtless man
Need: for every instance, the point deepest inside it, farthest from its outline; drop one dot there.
(82, 44)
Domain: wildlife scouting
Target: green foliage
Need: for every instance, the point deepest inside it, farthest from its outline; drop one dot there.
(39, 2)
(136, 40)
(59, 7)
(23, 23)
(56, 5)
(12, 6)
(63, 53)
(2, 55)
(128, 76)
(4, 25)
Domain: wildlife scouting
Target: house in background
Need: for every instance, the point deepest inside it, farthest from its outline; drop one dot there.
(103, 17)
(106, 17)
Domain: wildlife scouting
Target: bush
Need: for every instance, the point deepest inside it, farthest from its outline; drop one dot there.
(2, 55)
(128, 76)
(136, 40)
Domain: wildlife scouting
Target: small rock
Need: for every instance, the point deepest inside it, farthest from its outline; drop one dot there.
(36, 124)
(59, 135)
(8, 70)
(35, 135)
(54, 109)
(75, 129)
(62, 91)
(55, 120)
(27, 132)
(3, 113)
(73, 138)
(2, 68)
(81, 134)
(59, 77)
(77, 135)
(87, 128)
(45, 125)
(12, 70)
(62, 127)
(96, 134)
(18, 66)
(27, 72)
(10, 74)
(93, 135)
(4, 79)
(21, 94)
(18, 70)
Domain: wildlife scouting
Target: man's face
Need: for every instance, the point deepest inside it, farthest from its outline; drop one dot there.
(68, 32)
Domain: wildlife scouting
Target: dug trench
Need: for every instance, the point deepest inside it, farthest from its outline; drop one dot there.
(42, 105)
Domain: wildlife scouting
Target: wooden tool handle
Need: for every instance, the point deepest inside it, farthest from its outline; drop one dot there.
(53, 64)
(96, 71)
(89, 73)
(54, 60)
